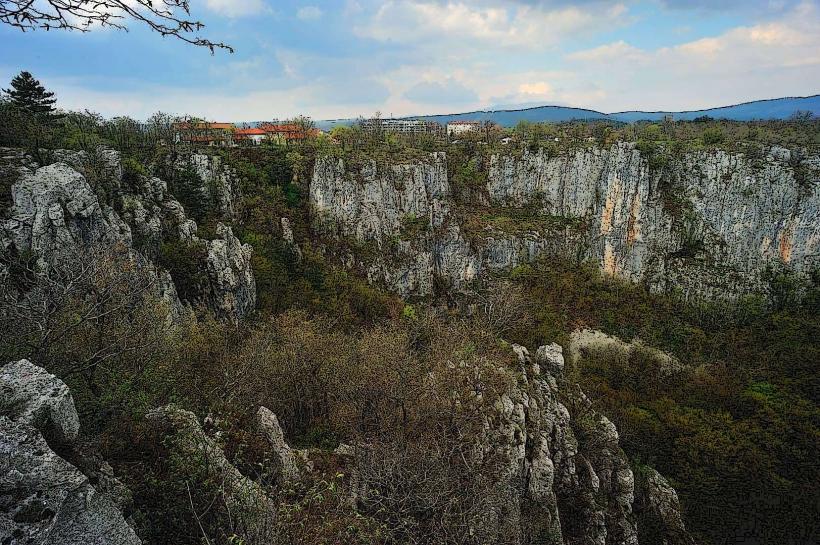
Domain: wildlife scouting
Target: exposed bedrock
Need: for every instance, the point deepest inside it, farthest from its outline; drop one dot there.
(60, 215)
(44, 499)
(707, 223)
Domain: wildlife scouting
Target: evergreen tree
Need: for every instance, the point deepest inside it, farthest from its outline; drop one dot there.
(28, 94)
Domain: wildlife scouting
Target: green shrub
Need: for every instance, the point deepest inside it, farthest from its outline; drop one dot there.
(132, 171)
(713, 136)
(185, 261)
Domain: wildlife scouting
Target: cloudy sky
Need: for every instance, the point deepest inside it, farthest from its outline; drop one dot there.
(345, 58)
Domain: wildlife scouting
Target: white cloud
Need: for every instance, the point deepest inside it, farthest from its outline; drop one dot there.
(414, 21)
(537, 88)
(237, 8)
(309, 13)
(770, 59)
(619, 50)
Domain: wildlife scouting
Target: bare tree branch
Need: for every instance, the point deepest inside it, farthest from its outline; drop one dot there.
(166, 17)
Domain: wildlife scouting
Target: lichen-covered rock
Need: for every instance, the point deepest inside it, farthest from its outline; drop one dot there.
(155, 215)
(286, 458)
(57, 215)
(244, 498)
(55, 211)
(563, 475)
(44, 499)
(31, 395)
(232, 287)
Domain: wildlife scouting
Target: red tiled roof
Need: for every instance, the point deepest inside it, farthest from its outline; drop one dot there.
(249, 132)
(289, 131)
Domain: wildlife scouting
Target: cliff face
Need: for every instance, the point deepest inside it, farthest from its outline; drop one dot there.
(400, 218)
(65, 210)
(706, 222)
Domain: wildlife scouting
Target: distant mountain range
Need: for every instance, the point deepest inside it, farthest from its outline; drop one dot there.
(776, 108)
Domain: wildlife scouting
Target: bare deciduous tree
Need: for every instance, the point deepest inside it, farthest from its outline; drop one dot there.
(167, 17)
(503, 308)
(86, 314)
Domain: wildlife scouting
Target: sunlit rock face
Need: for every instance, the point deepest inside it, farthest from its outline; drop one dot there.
(44, 498)
(704, 223)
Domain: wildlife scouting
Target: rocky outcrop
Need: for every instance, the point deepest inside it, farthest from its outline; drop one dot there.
(58, 215)
(285, 458)
(659, 510)
(705, 223)
(43, 498)
(243, 497)
(231, 289)
(33, 396)
(54, 211)
(556, 472)
(219, 183)
(578, 485)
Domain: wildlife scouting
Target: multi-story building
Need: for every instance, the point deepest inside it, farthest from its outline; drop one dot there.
(406, 126)
(454, 128)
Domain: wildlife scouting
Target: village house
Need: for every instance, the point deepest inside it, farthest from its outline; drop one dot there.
(253, 135)
(283, 133)
(204, 133)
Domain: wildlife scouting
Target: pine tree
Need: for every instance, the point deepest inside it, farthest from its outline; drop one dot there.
(28, 94)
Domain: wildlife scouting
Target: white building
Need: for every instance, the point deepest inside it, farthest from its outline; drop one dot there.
(460, 127)
(406, 126)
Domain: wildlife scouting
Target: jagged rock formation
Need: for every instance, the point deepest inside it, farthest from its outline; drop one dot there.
(232, 288)
(37, 398)
(243, 497)
(57, 214)
(577, 478)
(591, 342)
(706, 223)
(54, 210)
(286, 457)
(558, 474)
(376, 207)
(660, 509)
(219, 182)
(43, 498)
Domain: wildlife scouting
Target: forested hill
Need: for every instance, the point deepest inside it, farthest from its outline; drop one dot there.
(778, 108)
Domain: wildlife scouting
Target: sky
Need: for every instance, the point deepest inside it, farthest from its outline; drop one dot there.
(349, 58)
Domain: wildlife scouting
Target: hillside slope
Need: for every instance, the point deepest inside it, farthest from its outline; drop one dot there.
(778, 108)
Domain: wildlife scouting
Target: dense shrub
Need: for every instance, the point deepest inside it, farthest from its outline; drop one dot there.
(185, 261)
(736, 428)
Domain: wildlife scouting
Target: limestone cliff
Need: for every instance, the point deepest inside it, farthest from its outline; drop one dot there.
(707, 223)
(556, 472)
(61, 211)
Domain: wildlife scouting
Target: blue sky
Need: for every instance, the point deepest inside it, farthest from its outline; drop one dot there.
(354, 57)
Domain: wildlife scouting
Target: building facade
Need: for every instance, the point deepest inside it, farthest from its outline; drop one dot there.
(454, 128)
